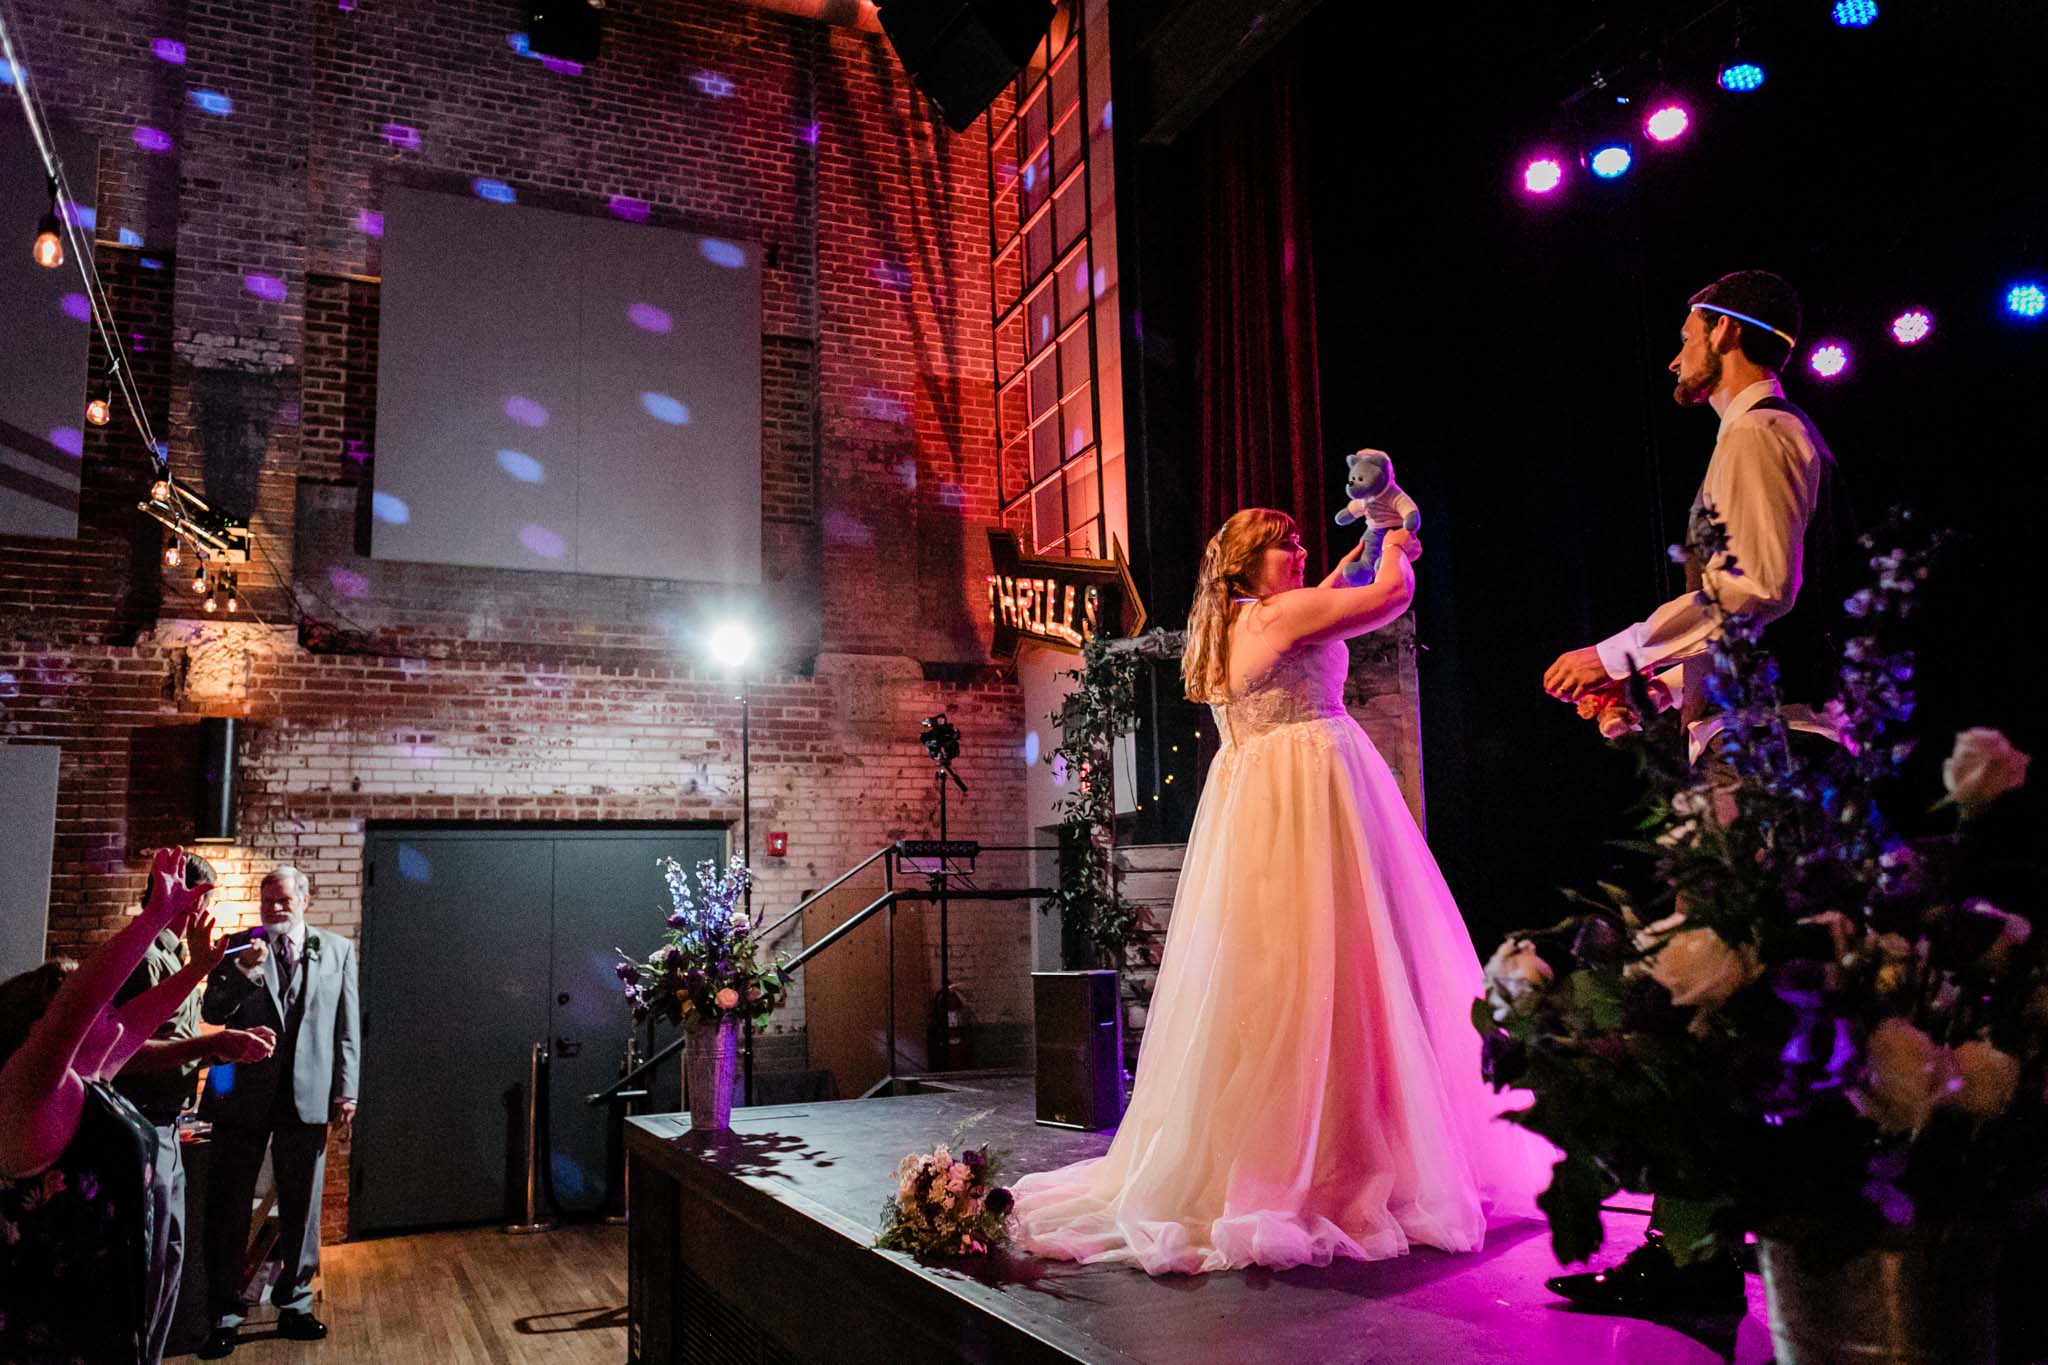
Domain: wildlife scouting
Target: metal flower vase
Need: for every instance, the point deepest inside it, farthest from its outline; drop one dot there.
(1928, 1295)
(710, 1059)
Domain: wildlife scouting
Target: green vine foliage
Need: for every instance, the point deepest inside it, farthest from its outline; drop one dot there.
(1102, 706)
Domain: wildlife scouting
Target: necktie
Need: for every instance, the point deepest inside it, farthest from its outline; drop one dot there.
(285, 963)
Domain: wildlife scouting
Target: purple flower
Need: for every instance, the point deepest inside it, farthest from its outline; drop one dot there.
(694, 977)
(1000, 1201)
(628, 973)
(972, 1158)
(677, 920)
(672, 958)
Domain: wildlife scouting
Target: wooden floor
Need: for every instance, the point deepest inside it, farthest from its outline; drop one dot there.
(476, 1297)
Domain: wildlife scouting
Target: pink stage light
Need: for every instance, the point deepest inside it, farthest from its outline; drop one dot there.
(1912, 327)
(1830, 361)
(1667, 123)
(1542, 175)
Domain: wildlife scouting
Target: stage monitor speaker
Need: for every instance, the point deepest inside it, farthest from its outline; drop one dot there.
(961, 53)
(568, 30)
(1080, 1049)
(213, 819)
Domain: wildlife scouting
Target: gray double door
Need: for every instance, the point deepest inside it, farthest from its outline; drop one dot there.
(476, 945)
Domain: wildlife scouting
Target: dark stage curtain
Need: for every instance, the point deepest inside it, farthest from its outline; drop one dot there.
(1259, 435)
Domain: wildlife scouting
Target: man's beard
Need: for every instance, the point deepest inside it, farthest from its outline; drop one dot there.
(1692, 392)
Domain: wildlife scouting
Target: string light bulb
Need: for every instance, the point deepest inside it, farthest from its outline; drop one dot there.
(233, 601)
(99, 411)
(199, 576)
(160, 491)
(212, 600)
(49, 247)
(173, 552)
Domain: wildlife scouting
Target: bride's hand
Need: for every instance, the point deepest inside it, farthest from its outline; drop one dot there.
(1405, 542)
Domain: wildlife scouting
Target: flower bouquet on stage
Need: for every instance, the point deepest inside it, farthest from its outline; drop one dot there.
(947, 1203)
(1803, 1024)
(706, 978)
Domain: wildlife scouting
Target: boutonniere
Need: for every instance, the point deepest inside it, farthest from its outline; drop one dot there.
(312, 947)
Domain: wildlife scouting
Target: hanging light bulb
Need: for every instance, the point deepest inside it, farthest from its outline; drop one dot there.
(99, 411)
(49, 247)
(172, 553)
(212, 600)
(199, 576)
(160, 491)
(233, 601)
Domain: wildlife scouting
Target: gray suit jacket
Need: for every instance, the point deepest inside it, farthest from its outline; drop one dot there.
(321, 1065)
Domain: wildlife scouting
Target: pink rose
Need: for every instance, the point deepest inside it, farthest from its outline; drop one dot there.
(1908, 1074)
(1983, 767)
(1989, 1079)
(726, 998)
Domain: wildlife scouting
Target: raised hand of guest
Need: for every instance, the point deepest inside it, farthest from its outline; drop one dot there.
(238, 1045)
(204, 944)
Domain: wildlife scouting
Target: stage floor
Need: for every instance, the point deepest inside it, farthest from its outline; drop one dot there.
(835, 1163)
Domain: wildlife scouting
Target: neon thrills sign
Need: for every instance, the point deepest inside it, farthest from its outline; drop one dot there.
(1061, 602)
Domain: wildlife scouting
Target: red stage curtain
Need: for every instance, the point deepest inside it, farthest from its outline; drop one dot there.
(1259, 433)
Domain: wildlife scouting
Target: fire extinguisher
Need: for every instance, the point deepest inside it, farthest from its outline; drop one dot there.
(949, 1031)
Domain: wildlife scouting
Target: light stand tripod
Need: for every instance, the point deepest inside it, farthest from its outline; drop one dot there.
(941, 740)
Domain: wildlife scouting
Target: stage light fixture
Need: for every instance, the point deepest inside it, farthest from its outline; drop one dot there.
(1855, 13)
(1830, 360)
(731, 645)
(1741, 77)
(99, 412)
(1667, 123)
(2026, 300)
(1542, 175)
(1612, 161)
(1912, 327)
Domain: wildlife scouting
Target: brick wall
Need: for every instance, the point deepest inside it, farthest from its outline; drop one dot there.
(472, 695)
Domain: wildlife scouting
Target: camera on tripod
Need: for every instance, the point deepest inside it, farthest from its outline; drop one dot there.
(941, 739)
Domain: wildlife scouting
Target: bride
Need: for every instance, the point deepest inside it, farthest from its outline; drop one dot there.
(1309, 1083)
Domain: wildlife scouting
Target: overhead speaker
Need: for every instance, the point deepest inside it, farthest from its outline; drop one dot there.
(961, 53)
(1080, 1076)
(213, 820)
(565, 29)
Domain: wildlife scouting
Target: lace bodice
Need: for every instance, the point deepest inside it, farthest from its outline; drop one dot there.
(1305, 683)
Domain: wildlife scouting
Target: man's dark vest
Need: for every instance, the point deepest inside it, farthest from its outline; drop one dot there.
(1806, 641)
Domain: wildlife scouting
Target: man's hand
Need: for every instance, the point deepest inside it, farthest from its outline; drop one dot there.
(237, 1045)
(345, 1117)
(250, 959)
(1575, 673)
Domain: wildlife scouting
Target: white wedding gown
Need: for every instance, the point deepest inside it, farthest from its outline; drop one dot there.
(1309, 1085)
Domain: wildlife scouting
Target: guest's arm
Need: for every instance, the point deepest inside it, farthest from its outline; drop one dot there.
(348, 1028)
(141, 1017)
(233, 1045)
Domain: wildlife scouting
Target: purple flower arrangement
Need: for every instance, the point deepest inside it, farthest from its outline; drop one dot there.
(1801, 1023)
(947, 1203)
(709, 964)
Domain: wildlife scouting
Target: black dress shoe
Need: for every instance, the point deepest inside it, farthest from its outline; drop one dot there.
(1648, 1281)
(220, 1342)
(300, 1326)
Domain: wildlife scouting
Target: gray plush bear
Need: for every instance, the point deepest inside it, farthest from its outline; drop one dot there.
(1379, 502)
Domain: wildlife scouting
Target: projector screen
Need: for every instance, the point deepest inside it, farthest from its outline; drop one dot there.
(566, 393)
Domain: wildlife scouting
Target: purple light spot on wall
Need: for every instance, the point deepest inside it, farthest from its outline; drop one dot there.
(401, 136)
(714, 84)
(211, 102)
(663, 408)
(562, 66)
(497, 191)
(150, 263)
(76, 306)
(526, 412)
(893, 275)
(128, 237)
(264, 286)
(353, 449)
(629, 209)
(522, 466)
(369, 222)
(152, 139)
(387, 508)
(137, 342)
(883, 407)
(1030, 175)
(1031, 747)
(1101, 281)
(809, 132)
(541, 541)
(345, 6)
(70, 440)
(1106, 110)
(1045, 329)
(842, 529)
(648, 318)
(731, 255)
(1075, 440)
(84, 215)
(414, 865)
(1080, 276)
(952, 495)
(348, 582)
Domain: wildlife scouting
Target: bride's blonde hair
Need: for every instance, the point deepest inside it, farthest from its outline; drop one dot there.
(1227, 567)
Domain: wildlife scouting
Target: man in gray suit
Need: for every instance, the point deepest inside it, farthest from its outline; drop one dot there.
(300, 982)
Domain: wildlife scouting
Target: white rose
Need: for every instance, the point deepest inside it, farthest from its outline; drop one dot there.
(1983, 767)
(1515, 978)
(1698, 966)
(1908, 1073)
(1988, 1080)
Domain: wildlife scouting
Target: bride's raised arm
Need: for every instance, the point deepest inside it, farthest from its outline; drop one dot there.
(1312, 615)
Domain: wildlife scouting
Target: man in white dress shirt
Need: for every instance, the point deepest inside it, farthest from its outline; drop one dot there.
(1774, 486)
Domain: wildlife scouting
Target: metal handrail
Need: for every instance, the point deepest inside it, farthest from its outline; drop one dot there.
(808, 901)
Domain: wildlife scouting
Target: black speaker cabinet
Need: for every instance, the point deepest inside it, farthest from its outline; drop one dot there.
(213, 818)
(962, 53)
(1080, 1049)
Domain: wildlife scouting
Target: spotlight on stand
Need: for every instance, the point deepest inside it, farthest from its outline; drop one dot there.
(1912, 327)
(1543, 175)
(1667, 123)
(941, 740)
(730, 644)
(1831, 360)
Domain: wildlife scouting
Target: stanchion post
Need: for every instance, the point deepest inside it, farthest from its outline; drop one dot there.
(532, 1219)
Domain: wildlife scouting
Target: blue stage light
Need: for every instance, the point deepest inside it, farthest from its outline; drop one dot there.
(1612, 161)
(1741, 77)
(1855, 13)
(2026, 300)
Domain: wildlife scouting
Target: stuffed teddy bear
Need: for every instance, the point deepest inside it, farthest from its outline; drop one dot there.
(1379, 502)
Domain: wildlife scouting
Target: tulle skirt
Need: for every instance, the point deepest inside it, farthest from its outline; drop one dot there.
(1308, 1087)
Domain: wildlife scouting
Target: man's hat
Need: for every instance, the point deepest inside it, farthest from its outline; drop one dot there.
(1756, 297)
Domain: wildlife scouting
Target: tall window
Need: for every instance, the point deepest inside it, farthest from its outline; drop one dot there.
(1046, 287)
